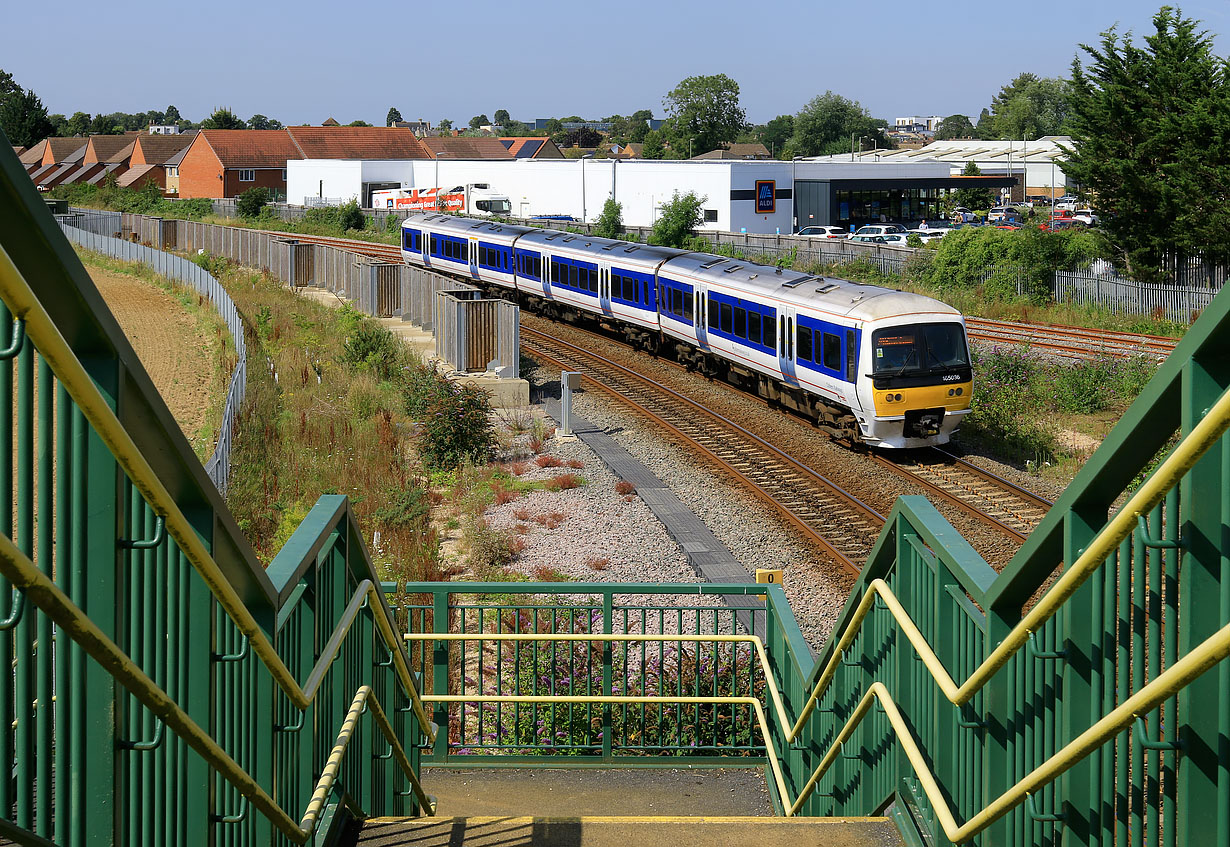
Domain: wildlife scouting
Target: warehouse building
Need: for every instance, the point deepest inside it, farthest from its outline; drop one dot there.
(765, 196)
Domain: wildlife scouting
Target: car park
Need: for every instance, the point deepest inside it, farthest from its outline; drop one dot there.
(823, 232)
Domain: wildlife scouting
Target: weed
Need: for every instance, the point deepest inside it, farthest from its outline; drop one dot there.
(598, 564)
(624, 487)
(519, 468)
(575, 464)
(550, 520)
(548, 461)
(521, 513)
(489, 549)
(563, 482)
(546, 573)
(516, 421)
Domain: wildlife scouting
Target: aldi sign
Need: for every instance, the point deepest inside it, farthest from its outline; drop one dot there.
(766, 196)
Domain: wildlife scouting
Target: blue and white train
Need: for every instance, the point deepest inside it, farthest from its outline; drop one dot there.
(871, 364)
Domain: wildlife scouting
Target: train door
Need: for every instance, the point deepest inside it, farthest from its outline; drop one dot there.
(545, 273)
(700, 315)
(604, 287)
(785, 345)
(474, 257)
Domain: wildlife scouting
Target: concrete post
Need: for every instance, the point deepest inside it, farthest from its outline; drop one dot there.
(569, 381)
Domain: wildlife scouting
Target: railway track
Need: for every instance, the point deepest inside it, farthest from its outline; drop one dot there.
(1070, 342)
(985, 496)
(834, 519)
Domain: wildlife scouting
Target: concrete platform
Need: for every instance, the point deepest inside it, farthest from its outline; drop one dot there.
(504, 393)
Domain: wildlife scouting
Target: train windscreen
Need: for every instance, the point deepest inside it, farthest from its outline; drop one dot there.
(919, 348)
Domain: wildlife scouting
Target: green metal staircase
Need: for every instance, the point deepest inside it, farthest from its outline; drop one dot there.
(164, 688)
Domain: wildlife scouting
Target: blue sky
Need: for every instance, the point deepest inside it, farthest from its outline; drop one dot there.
(306, 61)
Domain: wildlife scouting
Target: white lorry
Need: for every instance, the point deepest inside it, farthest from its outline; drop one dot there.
(477, 200)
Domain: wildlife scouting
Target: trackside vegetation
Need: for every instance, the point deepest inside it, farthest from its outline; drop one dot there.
(341, 406)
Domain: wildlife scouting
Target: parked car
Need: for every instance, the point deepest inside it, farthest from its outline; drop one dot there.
(1067, 204)
(823, 232)
(881, 229)
(1003, 214)
(1086, 216)
(930, 234)
(867, 239)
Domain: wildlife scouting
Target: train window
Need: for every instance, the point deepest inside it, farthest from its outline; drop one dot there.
(725, 318)
(851, 350)
(804, 344)
(572, 276)
(629, 289)
(740, 328)
(687, 305)
(676, 302)
(435, 248)
(713, 313)
(753, 327)
(770, 329)
(555, 271)
(593, 280)
(482, 256)
(832, 351)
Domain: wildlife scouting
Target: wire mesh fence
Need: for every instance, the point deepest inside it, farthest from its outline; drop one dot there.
(92, 231)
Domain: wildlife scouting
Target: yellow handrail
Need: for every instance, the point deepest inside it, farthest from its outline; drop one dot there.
(1189, 451)
(47, 596)
(1201, 658)
(46, 337)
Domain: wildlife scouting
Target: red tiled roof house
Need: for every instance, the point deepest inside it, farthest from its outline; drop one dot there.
(227, 162)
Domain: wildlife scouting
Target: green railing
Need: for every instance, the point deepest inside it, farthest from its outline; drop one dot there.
(661, 659)
(1143, 592)
(160, 686)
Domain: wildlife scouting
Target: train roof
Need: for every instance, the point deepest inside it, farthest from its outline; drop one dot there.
(831, 294)
(467, 226)
(612, 249)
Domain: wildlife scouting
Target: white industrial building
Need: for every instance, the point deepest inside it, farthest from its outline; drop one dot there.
(740, 196)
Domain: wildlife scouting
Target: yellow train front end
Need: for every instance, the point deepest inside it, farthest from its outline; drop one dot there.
(918, 385)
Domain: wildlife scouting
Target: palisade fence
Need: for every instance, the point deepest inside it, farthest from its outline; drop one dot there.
(1179, 303)
(93, 232)
(377, 288)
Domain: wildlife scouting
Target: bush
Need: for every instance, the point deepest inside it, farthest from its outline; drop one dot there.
(373, 347)
(610, 222)
(252, 202)
(457, 428)
(489, 549)
(676, 220)
(404, 508)
(349, 216)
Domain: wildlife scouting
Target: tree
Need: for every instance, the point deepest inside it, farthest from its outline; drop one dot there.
(776, 134)
(704, 113)
(974, 198)
(1030, 107)
(638, 125)
(985, 128)
(22, 115)
(223, 118)
(502, 118)
(78, 124)
(1149, 142)
(580, 137)
(252, 202)
(610, 223)
(825, 125)
(653, 147)
(392, 117)
(954, 126)
(172, 115)
(358, 123)
(676, 220)
(262, 122)
(445, 125)
(479, 120)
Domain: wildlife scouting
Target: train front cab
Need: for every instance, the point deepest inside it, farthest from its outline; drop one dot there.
(918, 382)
